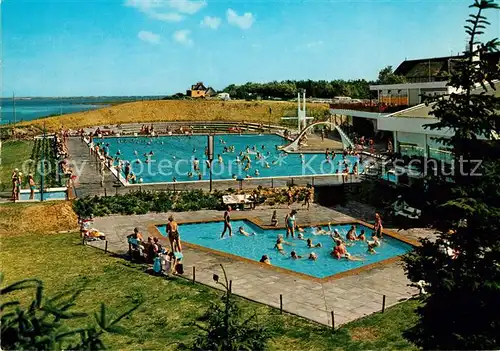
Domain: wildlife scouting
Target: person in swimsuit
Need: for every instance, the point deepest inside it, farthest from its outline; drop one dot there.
(290, 223)
(265, 259)
(377, 227)
(242, 231)
(15, 176)
(173, 235)
(311, 245)
(274, 219)
(227, 222)
(32, 186)
(279, 244)
(362, 236)
(294, 256)
(351, 234)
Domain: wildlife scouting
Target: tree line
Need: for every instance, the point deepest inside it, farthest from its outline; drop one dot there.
(288, 89)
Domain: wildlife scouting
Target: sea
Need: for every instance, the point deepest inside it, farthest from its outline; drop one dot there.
(27, 109)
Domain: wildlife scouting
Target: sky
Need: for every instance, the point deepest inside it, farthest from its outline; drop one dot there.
(160, 47)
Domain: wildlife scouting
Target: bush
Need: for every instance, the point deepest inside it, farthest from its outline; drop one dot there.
(141, 202)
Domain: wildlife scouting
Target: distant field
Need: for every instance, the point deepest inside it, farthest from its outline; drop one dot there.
(179, 110)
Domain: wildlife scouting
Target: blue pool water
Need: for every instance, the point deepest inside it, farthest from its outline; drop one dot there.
(173, 157)
(52, 195)
(253, 247)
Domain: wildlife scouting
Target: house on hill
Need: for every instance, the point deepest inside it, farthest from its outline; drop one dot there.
(199, 90)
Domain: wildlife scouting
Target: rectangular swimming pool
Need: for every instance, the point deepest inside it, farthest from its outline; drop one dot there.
(47, 195)
(165, 158)
(253, 247)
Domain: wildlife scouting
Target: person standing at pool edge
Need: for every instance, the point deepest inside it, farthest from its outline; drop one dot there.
(290, 222)
(227, 222)
(173, 235)
(377, 227)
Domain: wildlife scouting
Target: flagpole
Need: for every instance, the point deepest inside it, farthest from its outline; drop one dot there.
(43, 164)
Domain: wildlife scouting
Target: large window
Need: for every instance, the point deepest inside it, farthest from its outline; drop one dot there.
(441, 154)
(411, 149)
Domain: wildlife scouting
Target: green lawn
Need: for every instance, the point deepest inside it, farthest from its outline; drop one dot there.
(170, 305)
(13, 154)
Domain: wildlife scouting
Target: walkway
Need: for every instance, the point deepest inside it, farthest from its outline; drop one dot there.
(350, 297)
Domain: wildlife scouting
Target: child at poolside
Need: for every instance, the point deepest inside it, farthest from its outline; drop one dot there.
(32, 186)
(377, 227)
(311, 245)
(274, 219)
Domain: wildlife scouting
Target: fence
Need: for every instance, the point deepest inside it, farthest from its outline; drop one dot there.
(280, 301)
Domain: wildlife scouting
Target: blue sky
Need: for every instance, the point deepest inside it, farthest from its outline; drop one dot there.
(158, 47)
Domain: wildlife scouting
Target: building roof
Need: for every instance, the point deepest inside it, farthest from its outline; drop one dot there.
(437, 68)
(198, 86)
(423, 110)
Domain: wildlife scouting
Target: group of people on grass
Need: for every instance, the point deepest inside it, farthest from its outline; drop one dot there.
(163, 259)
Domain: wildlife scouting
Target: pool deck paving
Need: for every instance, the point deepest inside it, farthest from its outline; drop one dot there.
(349, 296)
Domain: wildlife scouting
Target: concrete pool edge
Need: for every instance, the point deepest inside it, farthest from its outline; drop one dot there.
(153, 229)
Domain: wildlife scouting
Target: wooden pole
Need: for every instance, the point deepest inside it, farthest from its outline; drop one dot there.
(106, 247)
(333, 321)
(281, 304)
(230, 286)
(383, 304)
(194, 274)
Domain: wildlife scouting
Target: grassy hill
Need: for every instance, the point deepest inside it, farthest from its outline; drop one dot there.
(179, 110)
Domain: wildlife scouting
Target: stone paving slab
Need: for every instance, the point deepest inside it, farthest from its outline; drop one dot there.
(350, 297)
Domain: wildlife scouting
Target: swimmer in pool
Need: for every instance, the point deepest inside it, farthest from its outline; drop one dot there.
(311, 245)
(362, 236)
(265, 259)
(313, 256)
(371, 248)
(243, 232)
(351, 234)
(375, 241)
(294, 256)
(319, 231)
(279, 244)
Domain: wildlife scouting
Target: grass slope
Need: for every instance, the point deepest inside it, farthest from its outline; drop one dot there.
(179, 110)
(47, 217)
(14, 153)
(171, 305)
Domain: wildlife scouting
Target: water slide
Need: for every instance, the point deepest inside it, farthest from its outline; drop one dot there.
(294, 145)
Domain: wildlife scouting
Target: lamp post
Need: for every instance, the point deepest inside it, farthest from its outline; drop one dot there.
(270, 114)
(42, 169)
(210, 155)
